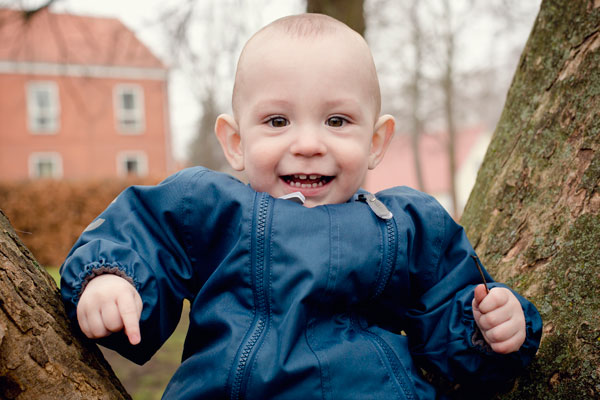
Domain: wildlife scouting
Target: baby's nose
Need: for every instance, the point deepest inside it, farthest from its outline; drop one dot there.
(308, 143)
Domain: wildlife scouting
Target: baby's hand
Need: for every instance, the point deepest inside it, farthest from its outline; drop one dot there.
(108, 304)
(500, 318)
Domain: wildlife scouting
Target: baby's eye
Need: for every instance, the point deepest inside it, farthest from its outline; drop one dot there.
(336, 122)
(278, 122)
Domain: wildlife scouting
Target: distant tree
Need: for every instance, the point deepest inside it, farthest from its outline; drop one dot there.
(350, 12)
(204, 148)
(205, 37)
(534, 213)
(447, 84)
(431, 81)
(415, 89)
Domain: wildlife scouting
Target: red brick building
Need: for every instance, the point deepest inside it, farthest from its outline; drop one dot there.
(80, 97)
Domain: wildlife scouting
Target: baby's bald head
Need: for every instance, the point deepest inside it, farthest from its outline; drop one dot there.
(306, 106)
(310, 27)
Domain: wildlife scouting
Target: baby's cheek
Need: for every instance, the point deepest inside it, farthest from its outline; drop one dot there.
(260, 169)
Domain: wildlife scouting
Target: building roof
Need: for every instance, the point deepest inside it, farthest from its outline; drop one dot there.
(48, 37)
(398, 165)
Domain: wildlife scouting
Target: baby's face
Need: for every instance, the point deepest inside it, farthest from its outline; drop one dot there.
(306, 115)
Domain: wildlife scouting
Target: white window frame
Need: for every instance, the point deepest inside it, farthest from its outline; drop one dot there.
(137, 114)
(53, 157)
(35, 112)
(139, 156)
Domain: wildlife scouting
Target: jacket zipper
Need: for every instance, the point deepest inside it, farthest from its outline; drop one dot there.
(385, 215)
(390, 256)
(390, 244)
(261, 314)
(394, 363)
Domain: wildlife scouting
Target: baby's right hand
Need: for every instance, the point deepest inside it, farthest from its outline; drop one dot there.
(108, 304)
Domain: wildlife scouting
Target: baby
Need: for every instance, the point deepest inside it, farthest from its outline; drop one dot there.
(343, 298)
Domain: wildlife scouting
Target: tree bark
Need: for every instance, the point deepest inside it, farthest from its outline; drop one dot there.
(40, 357)
(534, 213)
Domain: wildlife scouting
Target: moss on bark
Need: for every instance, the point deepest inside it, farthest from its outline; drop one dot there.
(533, 215)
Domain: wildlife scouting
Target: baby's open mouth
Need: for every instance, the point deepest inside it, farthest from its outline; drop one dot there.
(307, 181)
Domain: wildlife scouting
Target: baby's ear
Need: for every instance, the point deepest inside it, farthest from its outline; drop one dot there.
(228, 134)
(382, 135)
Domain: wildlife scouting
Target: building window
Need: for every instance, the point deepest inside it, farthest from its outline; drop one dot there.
(43, 107)
(132, 163)
(129, 108)
(45, 165)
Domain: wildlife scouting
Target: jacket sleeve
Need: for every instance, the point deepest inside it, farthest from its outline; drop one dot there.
(146, 237)
(442, 276)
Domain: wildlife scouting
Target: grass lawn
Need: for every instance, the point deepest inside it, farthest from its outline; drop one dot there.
(147, 382)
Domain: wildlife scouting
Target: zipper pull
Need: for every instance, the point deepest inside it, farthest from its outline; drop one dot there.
(296, 197)
(375, 205)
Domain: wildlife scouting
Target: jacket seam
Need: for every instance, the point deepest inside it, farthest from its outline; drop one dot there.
(334, 255)
(331, 276)
(323, 365)
(186, 211)
(438, 241)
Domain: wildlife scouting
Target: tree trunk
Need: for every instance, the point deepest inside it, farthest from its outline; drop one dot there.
(415, 91)
(349, 12)
(205, 149)
(447, 84)
(40, 358)
(534, 213)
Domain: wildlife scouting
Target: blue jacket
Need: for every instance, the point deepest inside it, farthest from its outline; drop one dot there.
(289, 302)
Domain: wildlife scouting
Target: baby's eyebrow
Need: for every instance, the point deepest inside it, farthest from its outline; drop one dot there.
(342, 102)
(270, 103)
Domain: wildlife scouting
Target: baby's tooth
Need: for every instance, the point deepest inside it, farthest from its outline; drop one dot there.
(313, 176)
(302, 176)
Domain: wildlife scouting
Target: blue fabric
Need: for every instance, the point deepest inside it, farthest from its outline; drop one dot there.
(289, 302)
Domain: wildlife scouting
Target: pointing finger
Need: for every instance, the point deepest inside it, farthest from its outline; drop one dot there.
(129, 313)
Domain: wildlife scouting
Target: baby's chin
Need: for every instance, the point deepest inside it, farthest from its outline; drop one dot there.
(311, 202)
